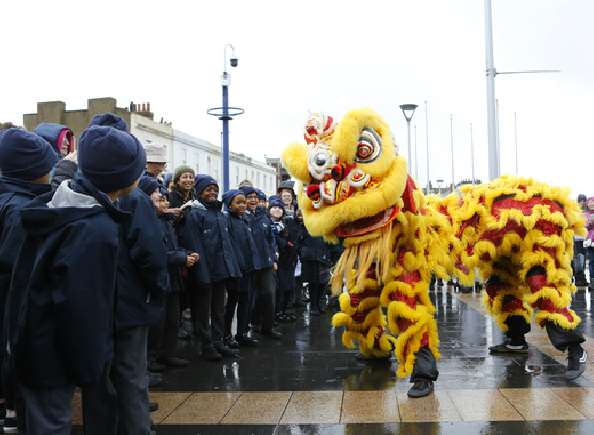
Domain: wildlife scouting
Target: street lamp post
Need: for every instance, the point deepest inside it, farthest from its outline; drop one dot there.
(427, 143)
(416, 160)
(452, 150)
(492, 121)
(226, 113)
(408, 110)
(472, 154)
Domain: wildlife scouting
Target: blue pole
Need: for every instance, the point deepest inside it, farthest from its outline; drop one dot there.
(225, 118)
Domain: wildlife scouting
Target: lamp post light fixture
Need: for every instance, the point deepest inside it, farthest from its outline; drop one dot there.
(408, 110)
(226, 113)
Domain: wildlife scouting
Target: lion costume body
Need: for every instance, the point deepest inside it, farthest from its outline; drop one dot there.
(517, 233)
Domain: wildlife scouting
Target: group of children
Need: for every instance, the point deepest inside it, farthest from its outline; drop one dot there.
(99, 256)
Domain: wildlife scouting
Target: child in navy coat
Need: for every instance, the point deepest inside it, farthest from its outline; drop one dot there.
(62, 296)
(208, 224)
(25, 163)
(164, 334)
(241, 289)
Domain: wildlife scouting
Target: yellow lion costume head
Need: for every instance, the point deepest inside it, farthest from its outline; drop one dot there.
(351, 173)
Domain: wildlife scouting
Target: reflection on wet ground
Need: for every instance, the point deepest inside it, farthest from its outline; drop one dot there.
(311, 357)
(309, 384)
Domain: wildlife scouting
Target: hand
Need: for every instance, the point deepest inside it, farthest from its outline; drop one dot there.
(290, 244)
(174, 211)
(72, 157)
(192, 259)
(275, 266)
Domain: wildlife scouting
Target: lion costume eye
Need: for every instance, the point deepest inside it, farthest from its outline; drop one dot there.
(369, 146)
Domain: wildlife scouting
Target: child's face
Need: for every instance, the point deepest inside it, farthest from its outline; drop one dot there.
(210, 193)
(238, 205)
(64, 146)
(186, 181)
(160, 202)
(591, 204)
(252, 201)
(276, 213)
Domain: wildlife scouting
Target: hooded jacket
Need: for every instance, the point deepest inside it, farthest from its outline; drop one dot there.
(55, 134)
(243, 242)
(266, 248)
(191, 240)
(14, 195)
(61, 300)
(212, 227)
(143, 278)
(176, 256)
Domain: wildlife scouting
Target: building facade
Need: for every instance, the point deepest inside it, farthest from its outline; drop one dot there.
(181, 148)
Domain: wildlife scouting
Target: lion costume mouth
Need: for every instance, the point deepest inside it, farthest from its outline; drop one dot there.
(367, 225)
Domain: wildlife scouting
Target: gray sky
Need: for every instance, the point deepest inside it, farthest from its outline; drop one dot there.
(327, 56)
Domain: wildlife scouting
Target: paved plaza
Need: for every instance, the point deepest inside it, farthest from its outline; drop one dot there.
(309, 384)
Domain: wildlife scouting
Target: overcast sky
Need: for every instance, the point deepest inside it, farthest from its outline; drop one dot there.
(327, 56)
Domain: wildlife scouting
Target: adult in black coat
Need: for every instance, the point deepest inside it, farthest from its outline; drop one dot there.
(239, 290)
(315, 267)
(209, 224)
(183, 187)
(265, 262)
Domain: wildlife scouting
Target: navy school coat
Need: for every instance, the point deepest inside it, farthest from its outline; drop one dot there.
(61, 301)
(243, 242)
(209, 229)
(266, 248)
(14, 195)
(143, 278)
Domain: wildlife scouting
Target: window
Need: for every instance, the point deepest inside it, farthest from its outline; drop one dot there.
(237, 175)
(208, 165)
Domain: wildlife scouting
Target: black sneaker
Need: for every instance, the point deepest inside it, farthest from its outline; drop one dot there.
(155, 367)
(576, 362)
(211, 355)
(10, 425)
(226, 352)
(175, 361)
(275, 335)
(421, 388)
(154, 379)
(247, 342)
(507, 348)
(230, 342)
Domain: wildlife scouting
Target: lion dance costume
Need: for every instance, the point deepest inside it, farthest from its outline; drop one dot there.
(356, 191)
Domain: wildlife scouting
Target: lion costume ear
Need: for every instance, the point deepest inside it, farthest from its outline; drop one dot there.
(294, 159)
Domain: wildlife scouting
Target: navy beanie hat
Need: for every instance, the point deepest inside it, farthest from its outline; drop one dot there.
(203, 181)
(275, 203)
(261, 195)
(109, 120)
(25, 155)
(148, 185)
(110, 159)
(247, 190)
(229, 195)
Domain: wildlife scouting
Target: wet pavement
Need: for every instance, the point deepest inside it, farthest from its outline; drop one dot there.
(311, 357)
(307, 383)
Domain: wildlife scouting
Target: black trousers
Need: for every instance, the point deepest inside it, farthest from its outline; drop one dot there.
(49, 410)
(208, 313)
(263, 297)
(163, 335)
(560, 338)
(238, 293)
